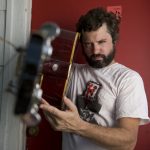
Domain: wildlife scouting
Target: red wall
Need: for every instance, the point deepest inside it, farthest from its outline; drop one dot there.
(133, 49)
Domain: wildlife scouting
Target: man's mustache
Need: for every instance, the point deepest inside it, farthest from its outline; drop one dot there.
(93, 56)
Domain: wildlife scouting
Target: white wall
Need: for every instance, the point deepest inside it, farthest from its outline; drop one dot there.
(15, 21)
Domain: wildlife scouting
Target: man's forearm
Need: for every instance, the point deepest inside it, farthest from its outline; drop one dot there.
(113, 138)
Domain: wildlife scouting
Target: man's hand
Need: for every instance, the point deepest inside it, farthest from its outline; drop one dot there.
(68, 120)
(120, 137)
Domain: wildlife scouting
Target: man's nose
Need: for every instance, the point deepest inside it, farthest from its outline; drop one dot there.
(96, 48)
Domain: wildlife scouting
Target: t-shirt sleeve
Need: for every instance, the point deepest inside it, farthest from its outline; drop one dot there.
(131, 100)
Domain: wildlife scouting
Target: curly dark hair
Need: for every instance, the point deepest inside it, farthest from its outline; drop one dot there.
(95, 18)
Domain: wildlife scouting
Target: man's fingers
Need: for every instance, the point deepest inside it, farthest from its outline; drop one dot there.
(47, 107)
(56, 112)
(49, 117)
(51, 109)
(43, 101)
(71, 106)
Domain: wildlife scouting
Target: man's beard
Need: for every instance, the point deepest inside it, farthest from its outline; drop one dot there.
(105, 61)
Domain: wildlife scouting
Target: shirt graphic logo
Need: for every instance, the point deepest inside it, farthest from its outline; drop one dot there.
(88, 102)
(91, 90)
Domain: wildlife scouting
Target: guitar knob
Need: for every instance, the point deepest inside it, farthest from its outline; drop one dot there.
(55, 67)
(33, 131)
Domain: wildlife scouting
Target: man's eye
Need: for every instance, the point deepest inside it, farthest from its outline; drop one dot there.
(87, 44)
(101, 42)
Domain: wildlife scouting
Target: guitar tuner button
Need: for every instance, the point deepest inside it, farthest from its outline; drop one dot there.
(55, 67)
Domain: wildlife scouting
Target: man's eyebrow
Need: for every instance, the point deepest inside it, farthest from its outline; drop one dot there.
(102, 40)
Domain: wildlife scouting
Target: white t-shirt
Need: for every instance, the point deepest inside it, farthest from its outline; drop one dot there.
(103, 96)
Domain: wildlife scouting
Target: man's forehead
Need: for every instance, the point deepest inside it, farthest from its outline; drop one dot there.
(100, 33)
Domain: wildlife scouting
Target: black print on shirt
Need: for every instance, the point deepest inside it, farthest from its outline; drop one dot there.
(87, 103)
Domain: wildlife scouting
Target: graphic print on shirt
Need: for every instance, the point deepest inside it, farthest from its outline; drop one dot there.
(88, 102)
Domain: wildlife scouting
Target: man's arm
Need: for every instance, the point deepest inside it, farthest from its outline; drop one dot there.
(121, 137)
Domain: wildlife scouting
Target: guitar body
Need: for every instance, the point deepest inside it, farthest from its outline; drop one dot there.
(55, 73)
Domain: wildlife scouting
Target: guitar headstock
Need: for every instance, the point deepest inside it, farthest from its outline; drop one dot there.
(28, 90)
